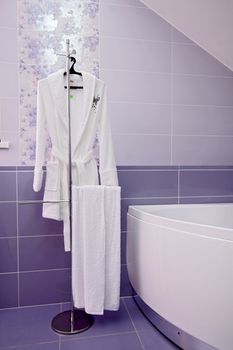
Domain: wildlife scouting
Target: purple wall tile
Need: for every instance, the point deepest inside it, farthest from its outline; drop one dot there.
(123, 247)
(199, 120)
(32, 223)
(150, 167)
(203, 200)
(141, 87)
(27, 168)
(8, 225)
(9, 54)
(206, 167)
(136, 3)
(8, 13)
(206, 183)
(9, 113)
(42, 253)
(148, 183)
(44, 287)
(142, 149)
(126, 289)
(8, 255)
(113, 342)
(25, 186)
(36, 325)
(10, 156)
(9, 80)
(191, 59)
(136, 23)
(156, 57)
(202, 150)
(8, 293)
(7, 186)
(7, 168)
(129, 118)
(198, 90)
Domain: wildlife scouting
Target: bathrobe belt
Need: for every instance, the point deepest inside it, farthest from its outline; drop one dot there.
(79, 165)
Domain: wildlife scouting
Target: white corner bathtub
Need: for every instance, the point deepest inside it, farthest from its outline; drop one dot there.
(180, 264)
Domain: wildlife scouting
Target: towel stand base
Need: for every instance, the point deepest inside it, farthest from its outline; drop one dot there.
(72, 322)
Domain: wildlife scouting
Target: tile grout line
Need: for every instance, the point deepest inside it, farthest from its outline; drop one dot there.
(30, 306)
(169, 135)
(69, 339)
(134, 325)
(178, 185)
(191, 75)
(171, 95)
(18, 347)
(155, 41)
(17, 235)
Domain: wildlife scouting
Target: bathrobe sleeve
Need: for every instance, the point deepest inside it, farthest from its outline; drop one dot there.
(107, 165)
(40, 137)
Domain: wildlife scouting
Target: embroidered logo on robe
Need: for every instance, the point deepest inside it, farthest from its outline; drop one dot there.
(95, 101)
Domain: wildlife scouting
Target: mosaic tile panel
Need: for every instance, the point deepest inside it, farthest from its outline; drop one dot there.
(43, 27)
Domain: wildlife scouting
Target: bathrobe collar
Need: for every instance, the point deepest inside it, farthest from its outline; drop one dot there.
(59, 95)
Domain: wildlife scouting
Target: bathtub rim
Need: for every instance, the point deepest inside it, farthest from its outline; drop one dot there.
(207, 230)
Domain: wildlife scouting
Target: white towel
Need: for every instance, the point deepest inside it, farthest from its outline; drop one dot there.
(112, 247)
(96, 248)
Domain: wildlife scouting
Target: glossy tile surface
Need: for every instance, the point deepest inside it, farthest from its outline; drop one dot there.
(206, 183)
(31, 325)
(25, 186)
(8, 290)
(43, 253)
(31, 222)
(7, 186)
(8, 224)
(148, 184)
(44, 287)
(126, 329)
(8, 255)
(113, 342)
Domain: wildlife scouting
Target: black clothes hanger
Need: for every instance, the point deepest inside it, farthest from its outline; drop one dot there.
(73, 71)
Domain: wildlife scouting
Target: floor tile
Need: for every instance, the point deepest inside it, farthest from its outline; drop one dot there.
(29, 325)
(42, 346)
(154, 340)
(111, 322)
(128, 341)
(150, 337)
(138, 319)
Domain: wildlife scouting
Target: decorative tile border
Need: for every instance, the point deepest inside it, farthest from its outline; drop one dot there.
(43, 27)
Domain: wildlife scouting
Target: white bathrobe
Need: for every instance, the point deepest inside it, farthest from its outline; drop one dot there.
(88, 119)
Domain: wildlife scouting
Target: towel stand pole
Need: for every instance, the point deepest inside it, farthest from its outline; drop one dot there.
(72, 321)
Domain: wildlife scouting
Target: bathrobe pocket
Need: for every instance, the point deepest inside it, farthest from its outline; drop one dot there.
(52, 175)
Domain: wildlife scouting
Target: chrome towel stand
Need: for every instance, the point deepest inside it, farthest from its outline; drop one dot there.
(72, 321)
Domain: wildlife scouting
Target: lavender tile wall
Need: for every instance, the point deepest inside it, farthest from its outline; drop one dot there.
(147, 63)
(165, 92)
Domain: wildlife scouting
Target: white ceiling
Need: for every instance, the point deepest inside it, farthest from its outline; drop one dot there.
(209, 23)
